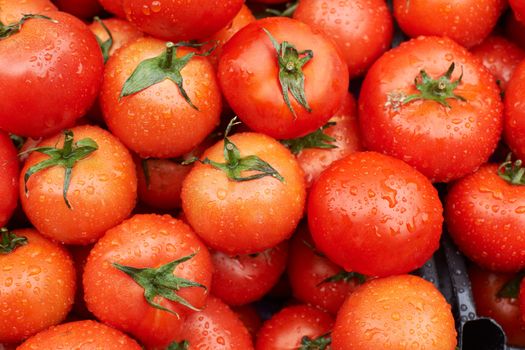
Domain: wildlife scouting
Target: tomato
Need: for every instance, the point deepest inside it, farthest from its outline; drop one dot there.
(249, 317)
(12, 11)
(506, 311)
(8, 178)
(82, 9)
(122, 32)
(514, 30)
(116, 7)
(158, 249)
(242, 279)
(154, 122)
(455, 120)
(102, 190)
(294, 326)
(375, 215)
(37, 284)
(361, 29)
(518, 7)
(384, 313)
(466, 22)
(80, 335)
(514, 124)
(484, 215)
(244, 217)
(51, 75)
(315, 280)
(343, 129)
(175, 20)
(253, 77)
(500, 56)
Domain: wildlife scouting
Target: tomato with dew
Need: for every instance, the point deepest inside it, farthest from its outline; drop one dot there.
(8, 178)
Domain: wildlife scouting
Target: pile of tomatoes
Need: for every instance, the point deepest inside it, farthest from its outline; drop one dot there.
(174, 171)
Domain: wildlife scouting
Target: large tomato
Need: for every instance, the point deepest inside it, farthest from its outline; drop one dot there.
(281, 78)
(51, 71)
(375, 215)
(452, 112)
(8, 178)
(515, 112)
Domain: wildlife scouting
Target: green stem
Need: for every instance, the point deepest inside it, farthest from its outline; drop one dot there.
(168, 61)
(512, 172)
(9, 241)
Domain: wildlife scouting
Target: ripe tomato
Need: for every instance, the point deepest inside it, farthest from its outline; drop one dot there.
(122, 33)
(85, 9)
(50, 76)
(249, 317)
(361, 29)
(384, 313)
(255, 79)
(175, 20)
(500, 56)
(344, 132)
(165, 256)
(315, 280)
(454, 119)
(154, 122)
(375, 215)
(518, 7)
(506, 311)
(295, 327)
(514, 125)
(12, 11)
(37, 284)
(242, 279)
(244, 217)
(484, 215)
(115, 7)
(80, 335)
(8, 178)
(466, 22)
(101, 194)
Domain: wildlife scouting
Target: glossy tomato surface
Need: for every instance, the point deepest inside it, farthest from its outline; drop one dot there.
(9, 168)
(12, 11)
(515, 112)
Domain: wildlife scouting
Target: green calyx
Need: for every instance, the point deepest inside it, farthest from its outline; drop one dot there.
(184, 345)
(287, 12)
(316, 139)
(512, 172)
(438, 90)
(65, 157)
(345, 277)
(320, 343)
(9, 241)
(511, 289)
(105, 46)
(161, 282)
(7, 30)
(291, 76)
(157, 69)
(235, 165)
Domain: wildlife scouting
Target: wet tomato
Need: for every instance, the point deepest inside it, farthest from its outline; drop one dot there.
(8, 178)
(514, 126)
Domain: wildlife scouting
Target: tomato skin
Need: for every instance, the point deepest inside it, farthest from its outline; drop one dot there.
(155, 122)
(102, 192)
(466, 22)
(122, 31)
(383, 313)
(249, 317)
(348, 140)
(80, 8)
(452, 142)
(53, 83)
(115, 7)
(12, 11)
(361, 29)
(80, 335)
(8, 178)
(230, 225)
(505, 311)
(145, 241)
(514, 130)
(518, 7)
(286, 329)
(484, 216)
(37, 287)
(368, 208)
(240, 280)
(514, 30)
(176, 21)
(248, 74)
(500, 57)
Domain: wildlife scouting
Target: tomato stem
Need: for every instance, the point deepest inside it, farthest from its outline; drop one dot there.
(105, 46)
(168, 61)
(320, 343)
(8, 30)
(512, 172)
(316, 139)
(184, 345)
(10, 241)
(345, 277)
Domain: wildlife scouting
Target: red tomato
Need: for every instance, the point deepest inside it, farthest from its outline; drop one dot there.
(500, 56)
(249, 317)
(467, 22)
(242, 279)
(456, 128)
(176, 21)
(514, 30)
(361, 29)
(152, 242)
(288, 328)
(121, 31)
(37, 284)
(80, 335)
(50, 76)
(506, 311)
(249, 72)
(384, 313)
(518, 7)
(484, 215)
(514, 124)
(375, 215)
(11, 11)
(116, 7)
(80, 8)
(8, 178)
